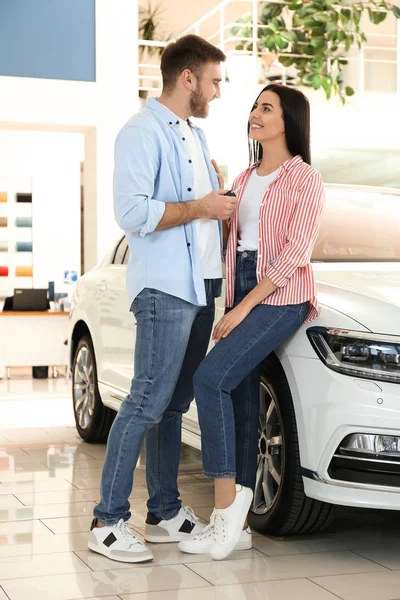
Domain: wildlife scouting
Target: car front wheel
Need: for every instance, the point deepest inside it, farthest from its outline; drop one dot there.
(280, 506)
(93, 419)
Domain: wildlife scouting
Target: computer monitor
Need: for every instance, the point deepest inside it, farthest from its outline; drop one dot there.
(30, 299)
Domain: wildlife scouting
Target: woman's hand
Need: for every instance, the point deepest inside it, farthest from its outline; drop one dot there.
(229, 321)
(221, 181)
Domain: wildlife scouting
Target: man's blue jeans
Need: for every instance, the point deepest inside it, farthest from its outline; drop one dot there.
(227, 383)
(172, 339)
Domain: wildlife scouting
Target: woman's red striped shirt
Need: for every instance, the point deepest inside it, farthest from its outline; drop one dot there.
(289, 220)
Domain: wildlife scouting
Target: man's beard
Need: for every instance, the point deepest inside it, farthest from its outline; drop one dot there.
(198, 104)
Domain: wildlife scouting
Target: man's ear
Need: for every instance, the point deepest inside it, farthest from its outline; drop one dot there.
(187, 79)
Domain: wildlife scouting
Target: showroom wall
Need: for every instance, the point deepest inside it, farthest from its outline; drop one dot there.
(53, 40)
(95, 108)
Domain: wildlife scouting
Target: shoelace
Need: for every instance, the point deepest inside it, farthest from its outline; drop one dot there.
(207, 532)
(220, 527)
(126, 533)
(190, 514)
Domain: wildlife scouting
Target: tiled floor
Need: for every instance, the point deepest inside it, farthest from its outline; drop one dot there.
(49, 483)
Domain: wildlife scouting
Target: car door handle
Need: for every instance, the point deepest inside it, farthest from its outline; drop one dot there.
(101, 285)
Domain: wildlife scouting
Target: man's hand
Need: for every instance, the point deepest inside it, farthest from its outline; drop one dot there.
(229, 321)
(221, 182)
(218, 206)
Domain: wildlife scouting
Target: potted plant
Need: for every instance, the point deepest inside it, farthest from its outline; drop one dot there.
(149, 31)
(314, 36)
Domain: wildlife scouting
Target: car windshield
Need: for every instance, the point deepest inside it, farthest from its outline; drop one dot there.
(359, 226)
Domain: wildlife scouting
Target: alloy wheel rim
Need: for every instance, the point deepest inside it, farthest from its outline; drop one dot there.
(270, 451)
(83, 386)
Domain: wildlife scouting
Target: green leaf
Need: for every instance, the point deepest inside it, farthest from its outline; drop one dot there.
(357, 16)
(308, 22)
(396, 11)
(346, 12)
(318, 43)
(349, 42)
(376, 16)
(322, 17)
(289, 36)
(349, 91)
(317, 82)
(308, 79)
(295, 5)
(281, 43)
(327, 88)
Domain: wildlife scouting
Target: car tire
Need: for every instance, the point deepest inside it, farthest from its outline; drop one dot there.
(93, 419)
(280, 506)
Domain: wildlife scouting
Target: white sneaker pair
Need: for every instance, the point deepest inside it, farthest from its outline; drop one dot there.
(118, 542)
(225, 531)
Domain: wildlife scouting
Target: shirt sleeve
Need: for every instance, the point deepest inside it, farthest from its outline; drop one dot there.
(136, 166)
(302, 232)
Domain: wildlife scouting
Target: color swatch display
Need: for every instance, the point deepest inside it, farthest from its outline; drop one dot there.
(24, 246)
(16, 250)
(24, 271)
(23, 221)
(24, 198)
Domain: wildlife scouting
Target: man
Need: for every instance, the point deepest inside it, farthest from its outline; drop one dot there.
(167, 201)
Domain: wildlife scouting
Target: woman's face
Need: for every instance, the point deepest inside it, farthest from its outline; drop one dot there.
(266, 118)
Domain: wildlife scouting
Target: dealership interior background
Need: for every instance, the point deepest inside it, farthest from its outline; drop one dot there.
(71, 74)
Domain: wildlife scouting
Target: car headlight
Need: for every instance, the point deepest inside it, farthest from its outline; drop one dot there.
(358, 354)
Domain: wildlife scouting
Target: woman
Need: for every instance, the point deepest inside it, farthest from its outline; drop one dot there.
(270, 293)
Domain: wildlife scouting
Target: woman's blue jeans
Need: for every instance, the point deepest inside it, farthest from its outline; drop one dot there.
(227, 382)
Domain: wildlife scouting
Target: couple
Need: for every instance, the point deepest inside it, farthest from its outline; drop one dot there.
(169, 203)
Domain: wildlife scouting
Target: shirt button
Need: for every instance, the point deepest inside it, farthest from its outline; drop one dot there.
(190, 160)
(177, 122)
(189, 189)
(188, 244)
(183, 139)
(170, 122)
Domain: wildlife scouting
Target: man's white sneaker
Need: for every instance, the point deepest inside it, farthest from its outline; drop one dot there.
(118, 542)
(183, 525)
(228, 523)
(203, 541)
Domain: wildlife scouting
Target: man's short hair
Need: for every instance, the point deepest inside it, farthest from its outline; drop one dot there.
(189, 52)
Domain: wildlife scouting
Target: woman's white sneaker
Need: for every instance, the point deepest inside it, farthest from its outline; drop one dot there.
(184, 525)
(118, 542)
(203, 542)
(228, 523)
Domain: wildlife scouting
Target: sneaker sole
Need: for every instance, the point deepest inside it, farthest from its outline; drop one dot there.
(140, 559)
(165, 539)
(221, 554)
(248, 545)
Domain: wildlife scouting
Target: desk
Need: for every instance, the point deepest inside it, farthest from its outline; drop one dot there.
(29, 339)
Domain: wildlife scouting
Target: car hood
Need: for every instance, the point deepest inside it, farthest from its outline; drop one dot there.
(367, 294)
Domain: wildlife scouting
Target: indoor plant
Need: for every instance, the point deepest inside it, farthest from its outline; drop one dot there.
(314, 36)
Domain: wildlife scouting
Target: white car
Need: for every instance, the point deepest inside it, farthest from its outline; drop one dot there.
(329, 430)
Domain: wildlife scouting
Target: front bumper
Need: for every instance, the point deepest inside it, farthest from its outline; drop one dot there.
(330, 406)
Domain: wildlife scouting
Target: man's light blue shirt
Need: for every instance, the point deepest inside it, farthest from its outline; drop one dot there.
(153, 166)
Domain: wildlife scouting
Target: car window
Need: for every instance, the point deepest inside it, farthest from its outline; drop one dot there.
(120, 252)
(359, 226)
(126, 256)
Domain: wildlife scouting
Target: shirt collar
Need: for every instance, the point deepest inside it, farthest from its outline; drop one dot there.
(169, 118)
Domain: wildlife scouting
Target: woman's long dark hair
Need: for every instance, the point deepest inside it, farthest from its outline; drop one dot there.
(296, 116)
